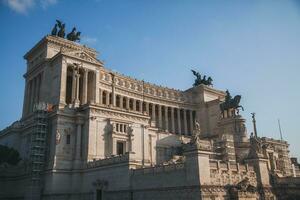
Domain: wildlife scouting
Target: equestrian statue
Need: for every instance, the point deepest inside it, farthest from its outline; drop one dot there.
(231, 103)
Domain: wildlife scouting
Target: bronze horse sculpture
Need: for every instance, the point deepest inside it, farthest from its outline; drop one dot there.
(231, 103)
(72, 36)
(199, 80)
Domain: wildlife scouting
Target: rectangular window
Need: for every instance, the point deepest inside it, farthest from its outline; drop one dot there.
(120, 148)
(68, 139)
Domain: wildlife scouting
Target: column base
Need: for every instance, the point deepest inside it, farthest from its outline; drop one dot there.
(76, 103)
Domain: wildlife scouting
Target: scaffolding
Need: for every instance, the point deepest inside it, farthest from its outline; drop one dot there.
(38, 149)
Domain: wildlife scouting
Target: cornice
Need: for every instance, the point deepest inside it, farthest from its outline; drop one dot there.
(63, 43)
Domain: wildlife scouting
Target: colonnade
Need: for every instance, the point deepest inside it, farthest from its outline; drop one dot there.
(81, 89)
(80, 86)
(32, 93)
(170, 119)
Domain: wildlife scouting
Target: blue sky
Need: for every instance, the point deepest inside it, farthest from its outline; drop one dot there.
(251, 48)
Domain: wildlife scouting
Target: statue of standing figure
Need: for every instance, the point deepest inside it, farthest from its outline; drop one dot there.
(196, 133)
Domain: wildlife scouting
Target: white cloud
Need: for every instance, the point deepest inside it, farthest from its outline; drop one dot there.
(23, 6)
(88, 40)
(20, 6)
(46, 3)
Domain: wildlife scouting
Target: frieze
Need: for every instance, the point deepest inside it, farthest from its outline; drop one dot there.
(111, 114)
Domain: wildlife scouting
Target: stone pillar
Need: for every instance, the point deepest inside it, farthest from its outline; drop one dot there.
(185, 122)
(34, 92)
(134, 105)
(30, 98)
(85, 86)
(141, 106)
(172, 120)
(197, 166)
(179, 121)
(63, 84)
(73, 85)
(100, 96)
(107, 98)
(78, 141)
(147, 109)
(25, 102)
(166, 119)
(127, 103)
(121, 101)
(77, 102)
(191, 122)
(38, 88)
(159, 117)
(96, 91)
(114, 146)
(113, 93)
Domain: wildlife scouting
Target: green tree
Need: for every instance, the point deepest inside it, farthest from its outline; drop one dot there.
(9, 155)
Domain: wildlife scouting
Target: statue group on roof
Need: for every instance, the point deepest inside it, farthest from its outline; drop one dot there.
(59, 31)
(201, 80)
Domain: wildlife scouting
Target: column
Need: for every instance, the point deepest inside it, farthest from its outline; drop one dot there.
(100, 96)
(30, 96)
(73, 85)
(25, 99)
(191, 121)
(77, 102)
(33, 93)
(113, 95)
(127, 103)
(153, 113)
(96, 91)
(166, 119)
(185, 122)
(107, 98)
(172, 120)
(121, 101)
(147, 108)
(159, 117)
(63, 84)
(78, 141)
(179, 121)
(85, 86)
(134, 105)
(37, 89)
(141, 106)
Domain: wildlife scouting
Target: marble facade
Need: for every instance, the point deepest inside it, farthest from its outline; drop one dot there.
(87, 132)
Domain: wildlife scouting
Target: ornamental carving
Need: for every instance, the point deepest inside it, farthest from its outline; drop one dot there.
(57, 137)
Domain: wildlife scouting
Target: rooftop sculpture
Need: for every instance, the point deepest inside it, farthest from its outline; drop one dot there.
(72, 36)
(231, 103)
(199, 80)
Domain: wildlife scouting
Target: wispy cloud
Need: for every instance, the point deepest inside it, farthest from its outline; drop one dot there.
(88, 40)
(24, 6)
(46, 3)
